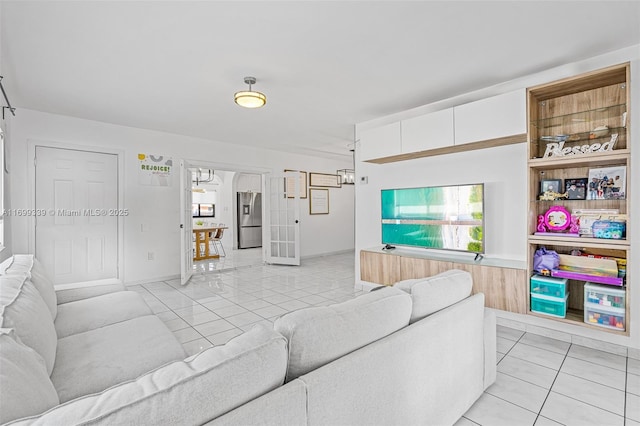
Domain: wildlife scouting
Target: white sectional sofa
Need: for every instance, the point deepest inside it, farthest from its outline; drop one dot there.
(420, 353)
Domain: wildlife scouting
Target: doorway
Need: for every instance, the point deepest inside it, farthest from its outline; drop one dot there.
(214, 195)
(76, 237)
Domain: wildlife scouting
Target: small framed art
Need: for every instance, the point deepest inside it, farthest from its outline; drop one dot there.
(576, 189)
(318, 201)
(607, 183)
(550, 185)
(302, 185)
(325, 180)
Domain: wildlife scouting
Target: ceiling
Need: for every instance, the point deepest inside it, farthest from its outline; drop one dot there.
(174, 66)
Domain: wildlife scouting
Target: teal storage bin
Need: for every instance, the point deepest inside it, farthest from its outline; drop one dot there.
(553, 306)
(548, 286)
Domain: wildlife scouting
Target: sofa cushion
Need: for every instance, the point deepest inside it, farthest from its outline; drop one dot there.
(5, 264)
(434, 293)
(27, 264)
(26, 387)
(187, 392)
(23, 309)
(322, 334)
(95, 312)
(97, 359)
(79, 291)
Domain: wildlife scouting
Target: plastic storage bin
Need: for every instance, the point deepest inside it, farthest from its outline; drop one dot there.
(553, 306)
(548, 286)
(604, 296)
(612, 318)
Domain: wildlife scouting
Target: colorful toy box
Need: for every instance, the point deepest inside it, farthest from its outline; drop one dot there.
(609, 229)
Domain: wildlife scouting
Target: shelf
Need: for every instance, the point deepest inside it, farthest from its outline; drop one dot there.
(576, 317)
(599, 116)
(580, 242)
(596, 203)
(563, 117)
(608, 158)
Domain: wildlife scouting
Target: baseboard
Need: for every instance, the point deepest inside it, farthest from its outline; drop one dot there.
(151, 280)
(575, 339)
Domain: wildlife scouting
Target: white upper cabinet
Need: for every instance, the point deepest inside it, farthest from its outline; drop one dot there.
(491, 118)
(429, 131)
(380, 142)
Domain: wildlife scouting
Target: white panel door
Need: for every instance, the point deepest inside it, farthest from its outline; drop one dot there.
(281, 229)
(76, 237)
(186, 223)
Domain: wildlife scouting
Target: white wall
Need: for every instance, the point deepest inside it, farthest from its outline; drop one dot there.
(330, 233)
(504, 172)
(486, 166)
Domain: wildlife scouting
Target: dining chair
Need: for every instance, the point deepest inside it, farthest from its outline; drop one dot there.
(217, 239)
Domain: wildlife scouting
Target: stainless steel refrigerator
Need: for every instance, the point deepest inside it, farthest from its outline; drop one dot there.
(249, 219)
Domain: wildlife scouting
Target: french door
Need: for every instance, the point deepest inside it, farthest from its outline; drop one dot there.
(186, 224)
(281, 229)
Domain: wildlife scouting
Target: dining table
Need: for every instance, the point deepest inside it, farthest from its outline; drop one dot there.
(202, 239)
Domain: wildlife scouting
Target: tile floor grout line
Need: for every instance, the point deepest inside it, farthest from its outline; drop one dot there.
(551, 386)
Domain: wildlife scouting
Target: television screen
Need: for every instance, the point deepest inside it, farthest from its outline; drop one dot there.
(437, 217)
(195, 210)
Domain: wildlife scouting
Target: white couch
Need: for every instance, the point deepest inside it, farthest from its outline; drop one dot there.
(420, 353)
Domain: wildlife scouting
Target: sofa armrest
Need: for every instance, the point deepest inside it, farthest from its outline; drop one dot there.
(490, 347)
(66, 294)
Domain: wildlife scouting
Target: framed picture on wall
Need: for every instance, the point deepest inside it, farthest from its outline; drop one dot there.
(318, 201)
(289, 184)
(324, 179)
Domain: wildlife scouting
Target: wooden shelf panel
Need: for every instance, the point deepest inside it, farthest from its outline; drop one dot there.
(576, 317)
(580, 242)
(608, 158)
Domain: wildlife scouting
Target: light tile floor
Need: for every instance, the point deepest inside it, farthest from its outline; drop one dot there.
(541, 381)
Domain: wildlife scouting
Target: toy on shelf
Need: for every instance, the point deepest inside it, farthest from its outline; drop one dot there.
(552, 195)
(558, 221)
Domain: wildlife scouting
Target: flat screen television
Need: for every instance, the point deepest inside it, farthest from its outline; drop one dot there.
(436, 217)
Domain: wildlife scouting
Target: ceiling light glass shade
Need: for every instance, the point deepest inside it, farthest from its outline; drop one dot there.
(250, 99)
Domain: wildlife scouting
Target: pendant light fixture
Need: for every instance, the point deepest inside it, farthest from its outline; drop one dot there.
(250, 98)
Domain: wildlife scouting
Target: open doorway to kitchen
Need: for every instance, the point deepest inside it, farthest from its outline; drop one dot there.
(226, 218)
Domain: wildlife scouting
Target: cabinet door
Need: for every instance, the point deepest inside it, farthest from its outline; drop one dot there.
(380, 142)
(503, 288)
(411, 267)
(491, 118)
(429, 131)
(379, 268)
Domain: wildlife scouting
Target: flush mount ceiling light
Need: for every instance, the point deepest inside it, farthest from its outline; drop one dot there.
(250, 98)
